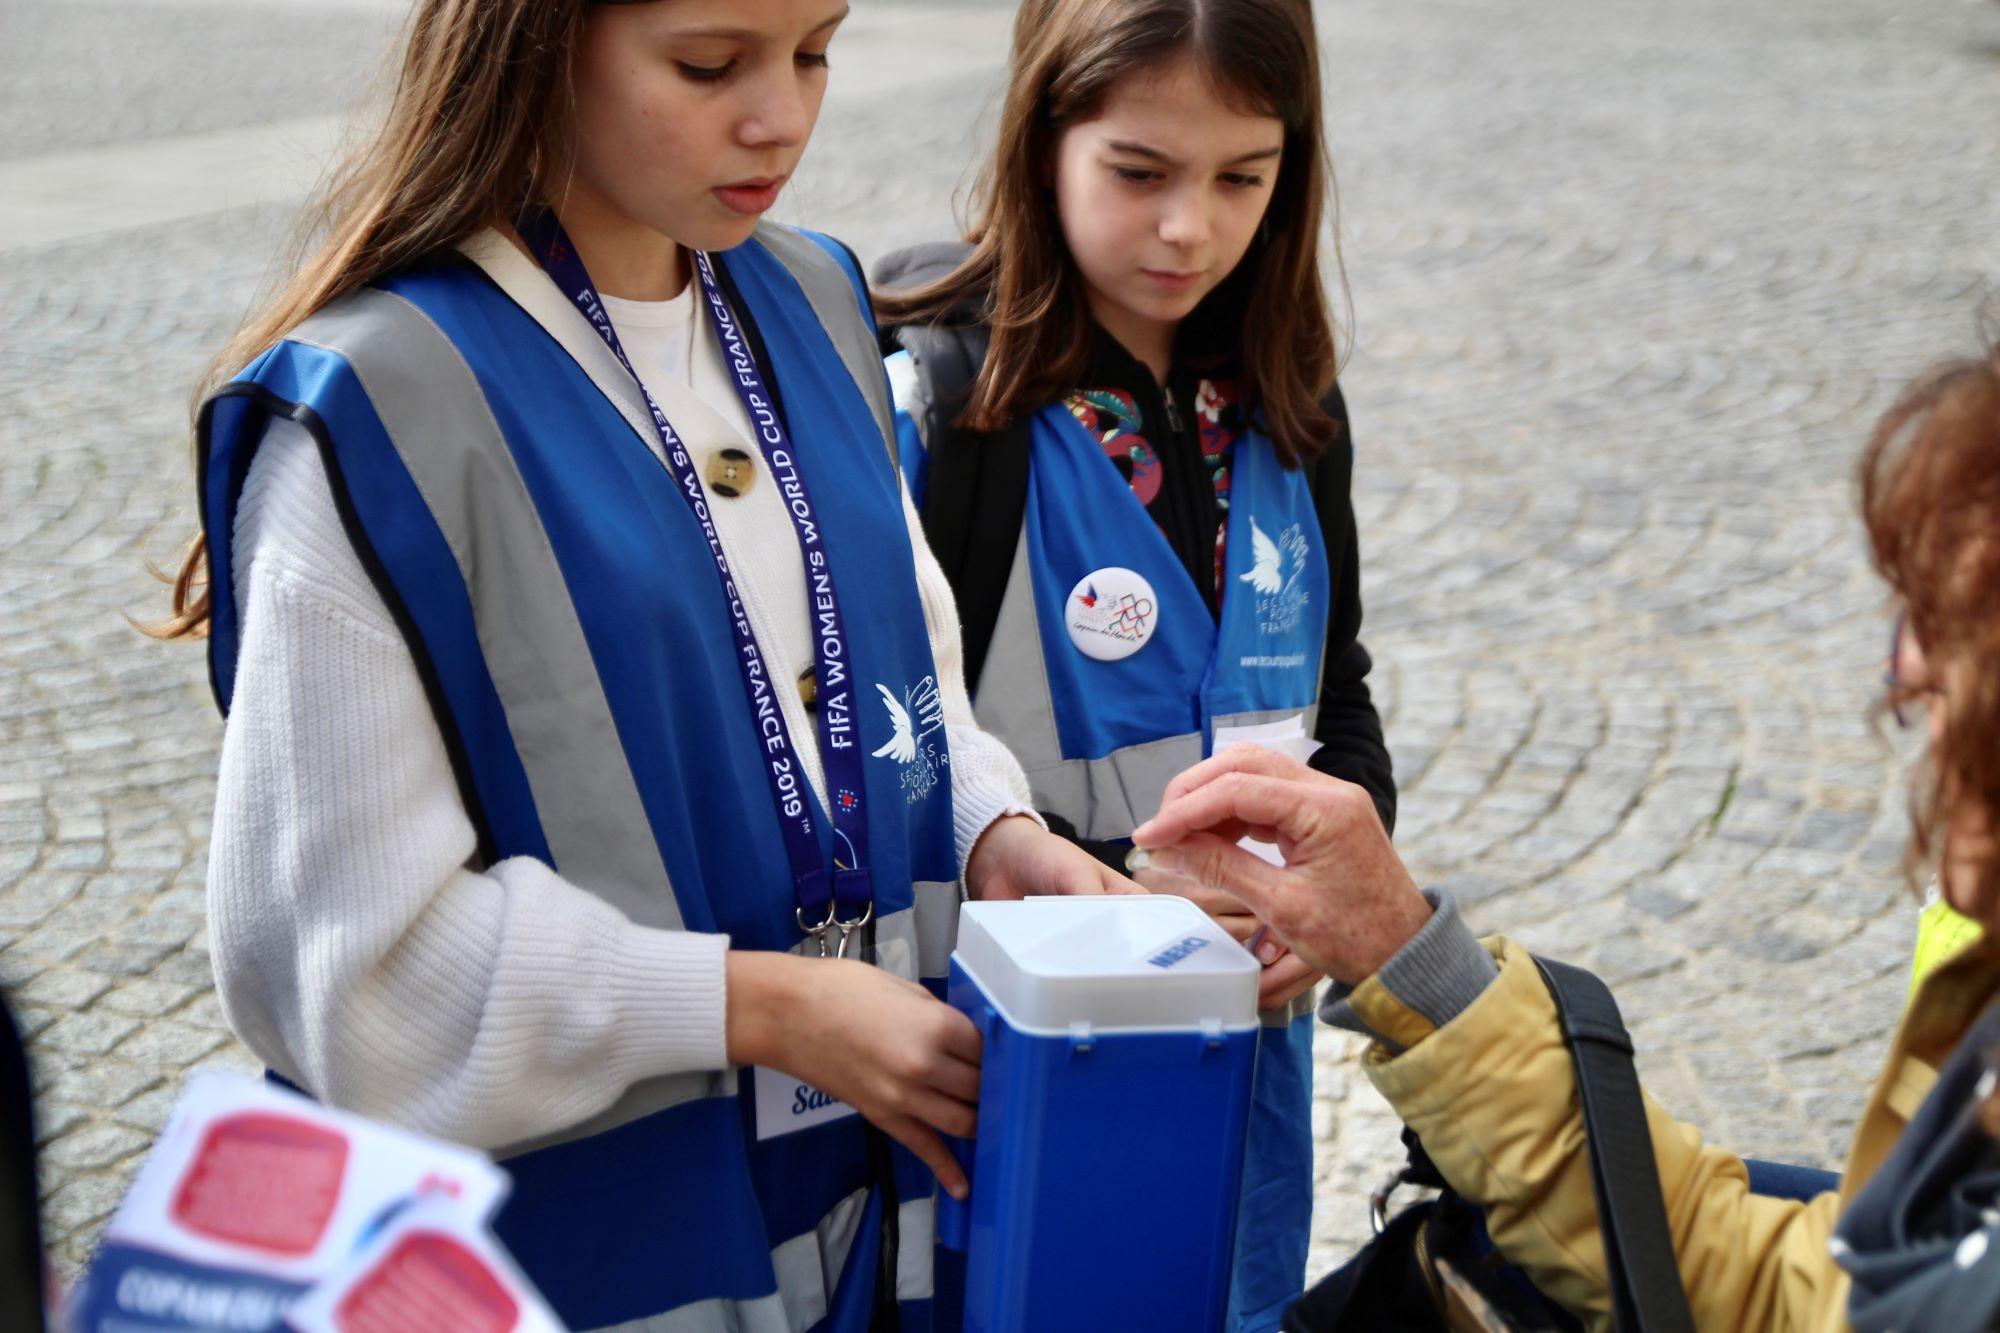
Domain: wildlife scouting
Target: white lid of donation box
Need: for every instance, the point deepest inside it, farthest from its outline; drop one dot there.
(1119, 963)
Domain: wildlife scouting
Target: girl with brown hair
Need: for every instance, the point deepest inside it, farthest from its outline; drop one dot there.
(599, 780)
(1117, 404)
(1470, 1052)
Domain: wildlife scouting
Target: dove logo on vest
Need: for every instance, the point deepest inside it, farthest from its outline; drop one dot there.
(913, 718)
(1276, 574)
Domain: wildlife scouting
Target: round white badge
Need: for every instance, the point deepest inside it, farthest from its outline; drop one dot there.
(1111, 613)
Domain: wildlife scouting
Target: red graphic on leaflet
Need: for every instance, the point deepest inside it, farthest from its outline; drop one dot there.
(428, 1280)
(266, 1181)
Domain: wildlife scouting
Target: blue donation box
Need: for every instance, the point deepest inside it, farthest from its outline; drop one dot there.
(1121, 1035)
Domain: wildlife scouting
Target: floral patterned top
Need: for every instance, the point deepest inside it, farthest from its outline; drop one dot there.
(1113, 415)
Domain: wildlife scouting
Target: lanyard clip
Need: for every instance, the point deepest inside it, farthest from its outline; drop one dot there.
(847, 929)
(818, 932)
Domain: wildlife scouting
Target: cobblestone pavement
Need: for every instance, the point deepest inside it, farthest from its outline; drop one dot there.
(1630, 283)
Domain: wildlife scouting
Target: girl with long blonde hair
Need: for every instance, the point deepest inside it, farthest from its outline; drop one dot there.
(599, 780)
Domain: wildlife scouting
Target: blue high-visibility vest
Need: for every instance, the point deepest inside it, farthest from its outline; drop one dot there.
(570, 625)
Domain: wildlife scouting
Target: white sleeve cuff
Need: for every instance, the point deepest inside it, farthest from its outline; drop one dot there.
(977, 807)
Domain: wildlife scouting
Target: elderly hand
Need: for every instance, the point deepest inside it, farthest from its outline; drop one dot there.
(1342, 901)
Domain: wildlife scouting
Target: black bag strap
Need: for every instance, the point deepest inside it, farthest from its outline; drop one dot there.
(946, 358)
(1646, 1291)
(976, 492)
(20, 1216)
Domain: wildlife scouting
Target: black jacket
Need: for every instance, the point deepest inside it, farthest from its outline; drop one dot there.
(976, 501)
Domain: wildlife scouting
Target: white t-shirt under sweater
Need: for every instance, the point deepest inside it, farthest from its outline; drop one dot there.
(357, 950)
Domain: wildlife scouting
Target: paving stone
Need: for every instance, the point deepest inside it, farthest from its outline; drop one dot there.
(1778, 945)
(77, 856)
(125, 960)
(29, 909)
(56, 942)
(1473, 888)
(1726, 1064)
(1629, 958)
(94, 1146)
(94, 914)
(16, 862)
(31, 1022)
(105, 1084)
(205, 1011)
(170, 1046)
(1862, 899)
(147, 997)
(162, 859)
(1837, 1107)
(148, 1111)
(190, 967)
(18, 968)
(82, 1202)
(1803, 863)
(88, 1034)
(53, 1118)
(125, 884)
(164, 930)
(46, 1064)
(1657, 902)
(63, 989)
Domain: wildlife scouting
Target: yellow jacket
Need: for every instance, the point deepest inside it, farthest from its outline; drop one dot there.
(1493, 1097)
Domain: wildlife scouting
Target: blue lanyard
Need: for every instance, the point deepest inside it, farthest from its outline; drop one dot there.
(845, 900)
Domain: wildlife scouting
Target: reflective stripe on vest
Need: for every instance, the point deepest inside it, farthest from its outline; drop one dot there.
(853, 339)
(800, 1267)
(534, 647)
(531, 547)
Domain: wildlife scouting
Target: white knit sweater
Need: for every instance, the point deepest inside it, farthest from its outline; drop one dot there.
(358, 949)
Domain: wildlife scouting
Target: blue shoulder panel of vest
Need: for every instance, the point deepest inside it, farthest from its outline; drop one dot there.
(398, 541)
(226, 437)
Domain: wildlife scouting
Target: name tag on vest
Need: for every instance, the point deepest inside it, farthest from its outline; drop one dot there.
(786, 1106)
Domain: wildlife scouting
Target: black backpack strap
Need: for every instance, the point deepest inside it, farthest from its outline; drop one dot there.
(20, 1217)
(1646, 1291)
(976, 492)
(946, 359)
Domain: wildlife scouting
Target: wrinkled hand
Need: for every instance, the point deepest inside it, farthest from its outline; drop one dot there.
(885, 1046)
(1017, 857)
(1343, 901)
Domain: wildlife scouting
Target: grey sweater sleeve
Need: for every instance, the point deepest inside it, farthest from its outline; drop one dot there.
(1439, 973)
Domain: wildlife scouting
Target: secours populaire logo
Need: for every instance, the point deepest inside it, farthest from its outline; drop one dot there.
(1111, 613)
(912, 719)
(1277, 571)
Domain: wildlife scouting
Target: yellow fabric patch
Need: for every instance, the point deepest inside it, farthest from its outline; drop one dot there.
(1374, 1004)
(1941, 934)
(1906, 1092)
